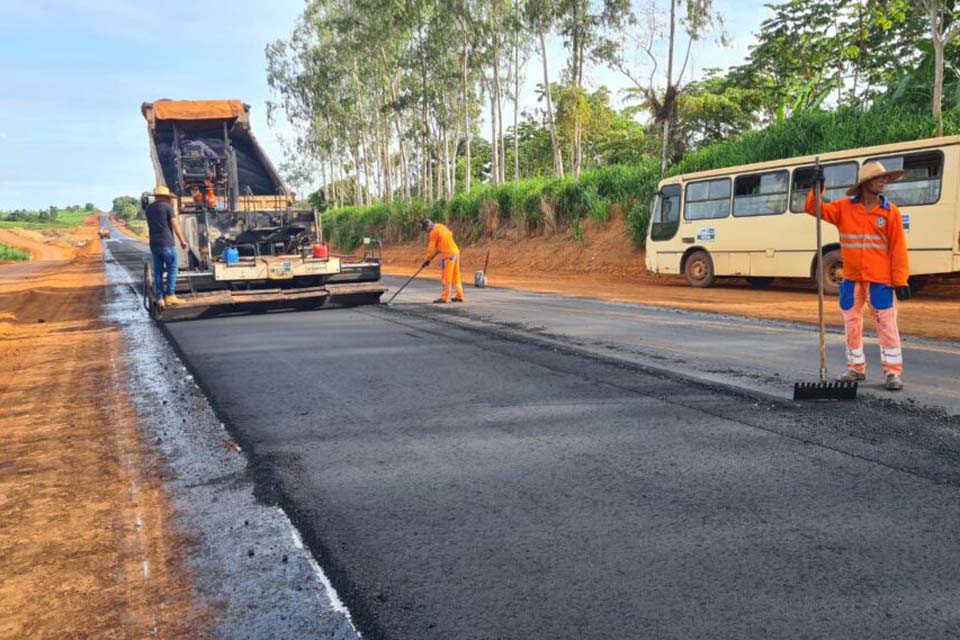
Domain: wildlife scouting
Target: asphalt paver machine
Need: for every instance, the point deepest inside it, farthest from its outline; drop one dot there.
(250, 246)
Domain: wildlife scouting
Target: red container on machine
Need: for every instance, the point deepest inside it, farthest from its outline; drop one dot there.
(320, 251)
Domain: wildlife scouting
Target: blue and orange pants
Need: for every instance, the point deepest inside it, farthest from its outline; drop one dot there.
(853, 296)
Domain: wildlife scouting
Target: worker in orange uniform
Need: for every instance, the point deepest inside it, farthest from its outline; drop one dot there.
(875, 267)
(441, 243)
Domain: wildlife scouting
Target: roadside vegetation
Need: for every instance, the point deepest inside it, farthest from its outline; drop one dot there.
(11, 254)
(388, 116)
(52, 217)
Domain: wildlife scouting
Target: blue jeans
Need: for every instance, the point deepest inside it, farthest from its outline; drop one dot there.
(164, 260)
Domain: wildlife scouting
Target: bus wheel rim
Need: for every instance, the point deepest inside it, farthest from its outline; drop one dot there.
(698, 269)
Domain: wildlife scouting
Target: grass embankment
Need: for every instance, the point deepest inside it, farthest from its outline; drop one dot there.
(63, 220)
(535, 205)
(11, 254)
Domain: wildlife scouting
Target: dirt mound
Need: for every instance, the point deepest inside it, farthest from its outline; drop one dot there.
(87, 542)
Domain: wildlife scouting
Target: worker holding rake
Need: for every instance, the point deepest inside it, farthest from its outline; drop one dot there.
(875, 267)
(440, 242)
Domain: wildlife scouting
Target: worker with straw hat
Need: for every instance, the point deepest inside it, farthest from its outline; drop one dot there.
(162, 224)
(875, 267)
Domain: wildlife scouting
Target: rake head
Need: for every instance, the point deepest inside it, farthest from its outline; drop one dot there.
(839, 390)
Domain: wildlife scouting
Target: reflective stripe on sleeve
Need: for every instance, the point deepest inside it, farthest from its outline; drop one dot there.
(864, 245)
(862, 236)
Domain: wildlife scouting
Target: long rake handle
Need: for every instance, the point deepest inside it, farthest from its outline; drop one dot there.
(405, 284)
(823, 348)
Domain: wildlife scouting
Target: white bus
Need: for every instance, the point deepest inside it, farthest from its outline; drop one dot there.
(748, 221)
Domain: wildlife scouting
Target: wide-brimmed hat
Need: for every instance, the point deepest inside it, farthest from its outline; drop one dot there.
(871, 171)
(162, 192)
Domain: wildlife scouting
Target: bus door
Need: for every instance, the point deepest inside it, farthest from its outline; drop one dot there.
(664, 224)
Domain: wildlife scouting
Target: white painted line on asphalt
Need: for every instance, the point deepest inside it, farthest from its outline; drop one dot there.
(335, 601)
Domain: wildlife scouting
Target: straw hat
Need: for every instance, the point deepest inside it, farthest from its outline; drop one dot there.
(162, 191)
(871, 171)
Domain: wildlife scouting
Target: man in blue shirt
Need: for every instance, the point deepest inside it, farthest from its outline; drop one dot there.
(163, 224)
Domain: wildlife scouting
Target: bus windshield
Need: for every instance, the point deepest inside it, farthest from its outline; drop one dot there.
(665, 213)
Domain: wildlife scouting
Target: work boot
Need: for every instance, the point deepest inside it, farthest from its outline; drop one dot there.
(893, 383)
(173, 301)
(851, 375)
(440, 301)
(158, 303)
(457, 299)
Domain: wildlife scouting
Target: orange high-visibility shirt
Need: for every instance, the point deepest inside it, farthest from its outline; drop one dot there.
(441, 241)
(873, 244)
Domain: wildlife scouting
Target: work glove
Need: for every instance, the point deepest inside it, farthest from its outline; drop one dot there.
(426, 263)
(903, 293)
(818, 177)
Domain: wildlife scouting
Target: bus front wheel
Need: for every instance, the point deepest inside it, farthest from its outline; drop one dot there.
(832, 272)
(699, 269)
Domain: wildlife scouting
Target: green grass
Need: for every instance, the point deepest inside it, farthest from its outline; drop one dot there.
(9, 254)
(137, 226)
(65, 220)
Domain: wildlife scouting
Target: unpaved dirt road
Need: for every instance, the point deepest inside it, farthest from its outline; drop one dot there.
(607, 266)
(87, 548)
(461, 476)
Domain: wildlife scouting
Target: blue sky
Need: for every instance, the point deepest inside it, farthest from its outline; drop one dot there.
(74, 73)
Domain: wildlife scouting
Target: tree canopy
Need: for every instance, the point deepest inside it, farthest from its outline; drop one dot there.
(386, 97)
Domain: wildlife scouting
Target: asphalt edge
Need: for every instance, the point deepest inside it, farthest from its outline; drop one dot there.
(334, 620)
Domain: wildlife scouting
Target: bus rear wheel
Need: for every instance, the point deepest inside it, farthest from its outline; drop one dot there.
(832, 272)
(759, 281)
(699, 269)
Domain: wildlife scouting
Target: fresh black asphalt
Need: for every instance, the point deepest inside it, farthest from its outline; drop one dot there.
(469, 484)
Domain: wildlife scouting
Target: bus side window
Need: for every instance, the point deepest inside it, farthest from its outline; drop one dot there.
(920, 184)
(839, 177)
(708, 199)
(760, 194)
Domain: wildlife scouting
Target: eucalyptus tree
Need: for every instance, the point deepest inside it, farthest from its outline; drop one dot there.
(944, 29)
(581, 23)
(521, 43)
(540, 16)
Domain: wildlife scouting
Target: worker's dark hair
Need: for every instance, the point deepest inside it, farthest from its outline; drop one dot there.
(425, 224)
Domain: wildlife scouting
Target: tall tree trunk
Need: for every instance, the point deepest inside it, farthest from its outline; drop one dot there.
(494, 149)
(494, 121)
(666, 121)
(385, 180)
(366, 192)
(404, 166)
(516, 105)
(467, 128)
(577, 62)
(334, 175)
(554, 141)
(455, 149)
(503, 144)
(357, 188)
(438, 146)
(936, 24)
(324, 185)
